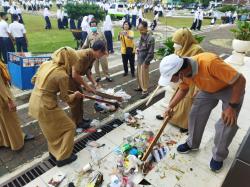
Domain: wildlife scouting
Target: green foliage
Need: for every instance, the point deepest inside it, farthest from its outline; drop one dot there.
(243, 11)
(76, 10)
(169, 46)
(226, 8)
(242, 30)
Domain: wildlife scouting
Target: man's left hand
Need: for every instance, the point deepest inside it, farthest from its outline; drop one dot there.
(229, 116)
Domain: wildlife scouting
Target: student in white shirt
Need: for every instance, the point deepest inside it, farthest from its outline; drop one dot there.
(200, 19)
(46, 15)
(19, 33)
(140, 15)
(59, 19)
(6, 39)
(134, 16)
(19, 13)
(85, 28)
(108, 33)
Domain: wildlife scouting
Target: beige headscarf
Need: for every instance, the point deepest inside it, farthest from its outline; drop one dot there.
(64, 58)
(190, 46)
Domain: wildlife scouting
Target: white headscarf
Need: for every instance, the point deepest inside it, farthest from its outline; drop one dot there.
(85, 25)
(107, 24)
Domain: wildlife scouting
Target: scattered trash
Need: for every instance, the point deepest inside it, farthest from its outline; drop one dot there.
(99, 130)
(56, 179)
(95, 123)
(79, 130)
(131, 121)
(139, 115)
(177, 177)
(90, 130)
(87, 167)
(123, 94)
(115, 181)
(115, 125)
(171, 142)
(95, 179)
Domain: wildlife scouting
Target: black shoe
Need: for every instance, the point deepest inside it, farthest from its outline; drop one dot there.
(28, 137)
(87, 120)
(61, 163)
(159, 117)
(109, 79)
(125, 74)
(84, 125)
(144, 95)
(98, 79)
(133, 75)
(138, 89)
(52, 156)
(182, 130)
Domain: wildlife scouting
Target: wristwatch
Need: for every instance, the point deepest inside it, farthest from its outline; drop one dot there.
(233, 105)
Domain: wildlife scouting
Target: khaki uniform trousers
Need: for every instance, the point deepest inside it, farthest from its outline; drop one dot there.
(143, 77)
(76, 107)
(104, 63)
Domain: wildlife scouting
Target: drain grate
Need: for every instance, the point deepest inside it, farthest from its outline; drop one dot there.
(37, 170)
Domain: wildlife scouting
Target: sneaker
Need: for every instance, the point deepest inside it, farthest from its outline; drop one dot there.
(138, 89)
(159, 117)
(125, 74)
(87, 120)
(182, 130)
(98, 79)
(215, 166)
(61, 163)
(109, 79)
(28, 137)
(184, 148)
(83, 125)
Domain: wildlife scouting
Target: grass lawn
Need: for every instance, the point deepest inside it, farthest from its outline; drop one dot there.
(41, 40)
(178, 22)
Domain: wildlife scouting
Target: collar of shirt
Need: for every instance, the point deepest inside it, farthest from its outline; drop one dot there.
(194, 66)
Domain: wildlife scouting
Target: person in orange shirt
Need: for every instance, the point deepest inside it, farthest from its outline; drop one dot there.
(217, 81)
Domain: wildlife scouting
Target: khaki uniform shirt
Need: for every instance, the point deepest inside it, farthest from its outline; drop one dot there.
(92, 37)
(86, 61)
(146, 49)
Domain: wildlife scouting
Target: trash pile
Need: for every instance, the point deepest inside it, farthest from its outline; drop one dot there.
(105, 107)
(134, 121)
(129, 157)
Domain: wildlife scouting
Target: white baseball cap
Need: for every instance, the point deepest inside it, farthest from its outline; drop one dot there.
(168, 67)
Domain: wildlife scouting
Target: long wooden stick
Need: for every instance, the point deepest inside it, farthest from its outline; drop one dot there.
(152, 95)
(108, 96)
(116, 104)
(149, 149)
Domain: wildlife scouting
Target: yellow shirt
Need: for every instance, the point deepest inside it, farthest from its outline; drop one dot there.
(129, 42)
(213, 74)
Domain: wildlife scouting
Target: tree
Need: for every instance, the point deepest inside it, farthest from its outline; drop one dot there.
(75, 11)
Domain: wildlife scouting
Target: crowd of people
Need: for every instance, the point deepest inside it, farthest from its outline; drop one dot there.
(202, 79)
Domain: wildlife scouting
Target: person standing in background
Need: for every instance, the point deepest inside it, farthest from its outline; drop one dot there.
(108, 33)
(85, 28)
(19, 33)
(145, 55)
(59, 19)
(200, 19)
(46, 15)
(140, 15)
(134, 16)
(6, 39)
(127, 48)
(93, 36)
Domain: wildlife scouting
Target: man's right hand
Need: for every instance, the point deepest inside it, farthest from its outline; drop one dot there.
(168, 112)
(90, 89)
